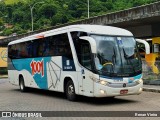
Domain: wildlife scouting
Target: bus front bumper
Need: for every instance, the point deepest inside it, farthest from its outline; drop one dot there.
(106, 91)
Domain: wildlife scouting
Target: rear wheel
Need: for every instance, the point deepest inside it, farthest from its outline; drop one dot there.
(70, 91)
(22, 85)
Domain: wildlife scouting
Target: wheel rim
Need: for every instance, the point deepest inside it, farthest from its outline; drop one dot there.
(70, 90)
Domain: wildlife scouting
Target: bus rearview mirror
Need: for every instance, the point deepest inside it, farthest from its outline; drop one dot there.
(146, 44)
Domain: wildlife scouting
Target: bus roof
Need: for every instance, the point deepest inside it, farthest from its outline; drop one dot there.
(92, 29)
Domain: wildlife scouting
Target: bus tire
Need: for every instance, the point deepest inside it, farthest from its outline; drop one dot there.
(70, 91)
(22, 85)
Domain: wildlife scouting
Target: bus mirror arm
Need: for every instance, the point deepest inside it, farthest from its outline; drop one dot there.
(92, 43)
(146, 44)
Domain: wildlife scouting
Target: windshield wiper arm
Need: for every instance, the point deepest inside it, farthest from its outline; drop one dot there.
(114, 55)
(127, 57)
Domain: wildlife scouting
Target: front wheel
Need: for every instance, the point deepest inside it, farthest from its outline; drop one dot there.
(70, 91)
(22, 85)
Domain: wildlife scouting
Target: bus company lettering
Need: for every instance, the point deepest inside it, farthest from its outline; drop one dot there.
(37, 67)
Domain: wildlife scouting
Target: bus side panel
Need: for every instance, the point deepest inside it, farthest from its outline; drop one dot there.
(28, 79)
(73, 76)
(12, 73)
(54, 72)
(13, 77)
(33, 71)
(58, 69)
(44, 72)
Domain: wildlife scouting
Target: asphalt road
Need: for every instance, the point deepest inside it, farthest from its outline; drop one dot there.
(11, 99)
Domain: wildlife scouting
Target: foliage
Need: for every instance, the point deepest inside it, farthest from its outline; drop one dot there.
(7, 32)
(54, 12)
(1, 22)
(11, 1)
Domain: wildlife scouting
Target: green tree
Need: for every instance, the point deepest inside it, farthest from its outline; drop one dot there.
(48, 10)
(1, 22)
(59, 19)
(53, 12)
(18, 16)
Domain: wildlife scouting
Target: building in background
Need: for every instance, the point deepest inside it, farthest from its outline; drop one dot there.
(3, 57)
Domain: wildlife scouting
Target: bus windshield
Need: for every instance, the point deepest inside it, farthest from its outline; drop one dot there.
(117, 56)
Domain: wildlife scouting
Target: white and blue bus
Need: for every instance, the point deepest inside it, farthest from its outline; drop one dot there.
(89, 60)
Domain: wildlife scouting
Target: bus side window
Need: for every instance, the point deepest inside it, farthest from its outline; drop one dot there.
(18, 51)
(51, 46)
(15, 52)
(84, 55)
(29, 48)
(75, 37)
(41, 45)
(23, 51)
(59, 46)
(41, 48)
(11, 52)
(76, 34)
(65, 45)
(33, 48)
(83, 49)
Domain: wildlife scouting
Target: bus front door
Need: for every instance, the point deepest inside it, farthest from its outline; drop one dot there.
(86, 62)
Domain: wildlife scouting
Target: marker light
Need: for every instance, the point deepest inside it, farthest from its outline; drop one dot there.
(40, 36)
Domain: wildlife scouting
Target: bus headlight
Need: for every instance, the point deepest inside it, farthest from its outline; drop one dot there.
(139, 81)
(102, 82)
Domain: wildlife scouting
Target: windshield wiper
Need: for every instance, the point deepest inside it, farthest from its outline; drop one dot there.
(114, 56)
(128, 59)
(127, 56)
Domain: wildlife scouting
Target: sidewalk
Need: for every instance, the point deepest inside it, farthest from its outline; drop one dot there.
(151, 88)
(3, 76)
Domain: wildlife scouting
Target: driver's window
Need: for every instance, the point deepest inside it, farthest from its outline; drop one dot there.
(82, 48)
(85, 54)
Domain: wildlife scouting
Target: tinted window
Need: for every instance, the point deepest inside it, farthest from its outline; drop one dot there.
(57, 45)
(84, 55)
(75, 37)
(83, 49)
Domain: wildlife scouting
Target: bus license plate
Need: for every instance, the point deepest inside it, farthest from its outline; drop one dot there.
(124, 91)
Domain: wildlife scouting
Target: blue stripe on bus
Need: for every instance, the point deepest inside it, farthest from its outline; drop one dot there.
(39, 72)
(130, 79)
(25, 64)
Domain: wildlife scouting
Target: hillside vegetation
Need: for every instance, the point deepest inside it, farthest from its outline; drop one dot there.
(7, 2)
(15, 16)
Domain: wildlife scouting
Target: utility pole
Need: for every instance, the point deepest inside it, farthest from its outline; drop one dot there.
(31, 8)
(88, 8)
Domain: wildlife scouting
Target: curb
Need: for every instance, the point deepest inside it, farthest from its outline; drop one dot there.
(151, 90)
(3, 76)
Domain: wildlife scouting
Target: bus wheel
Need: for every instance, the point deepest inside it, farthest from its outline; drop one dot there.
(70, 91)
(22, 85)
